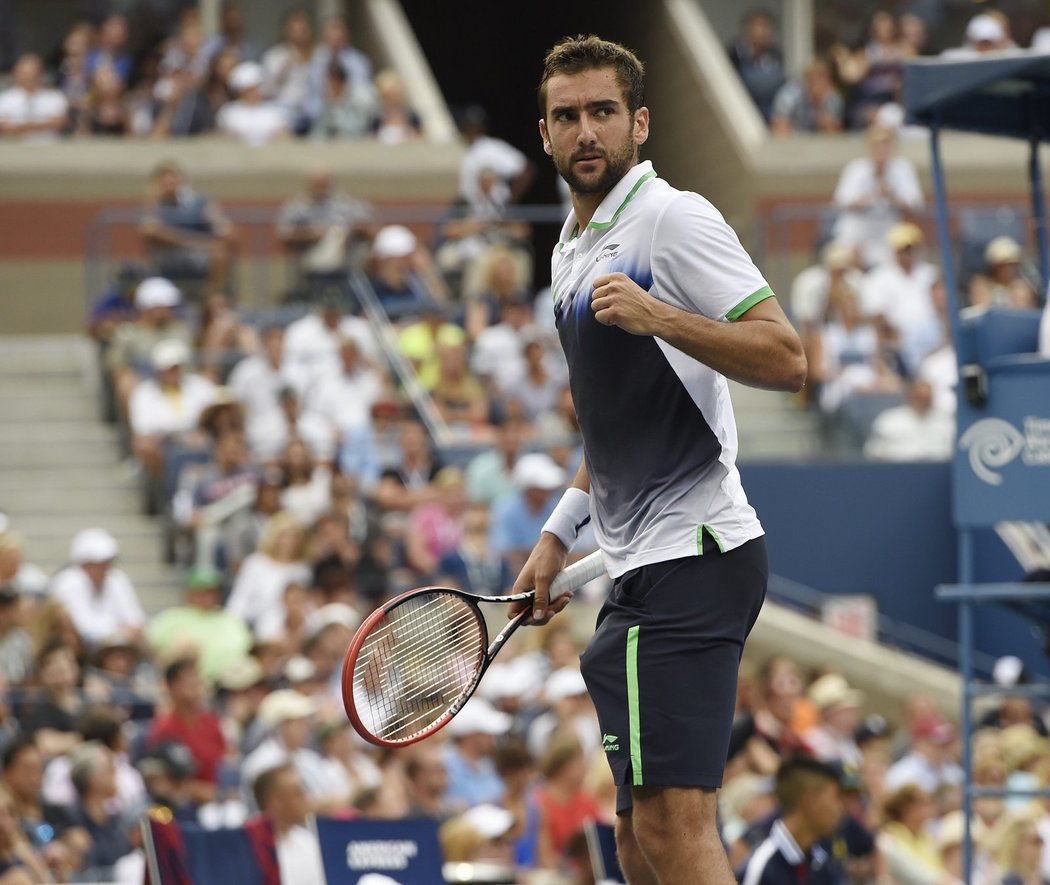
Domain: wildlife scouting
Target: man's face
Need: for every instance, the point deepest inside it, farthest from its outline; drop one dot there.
(289, 799)
(168, 183)
(589, 132)
(320, 186)
(825, 808)
(25, 776)
(27, 72)
(759, 31)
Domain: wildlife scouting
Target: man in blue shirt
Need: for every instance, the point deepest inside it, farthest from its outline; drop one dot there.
(810, 797)
(518, 516)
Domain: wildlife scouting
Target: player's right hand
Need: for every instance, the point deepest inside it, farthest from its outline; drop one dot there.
(541, 568)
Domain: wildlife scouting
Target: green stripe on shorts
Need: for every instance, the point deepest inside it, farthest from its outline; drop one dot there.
(632, 706)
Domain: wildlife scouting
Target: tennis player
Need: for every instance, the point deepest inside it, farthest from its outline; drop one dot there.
(657, 304)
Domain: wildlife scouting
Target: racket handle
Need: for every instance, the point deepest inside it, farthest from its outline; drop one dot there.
(576, 575)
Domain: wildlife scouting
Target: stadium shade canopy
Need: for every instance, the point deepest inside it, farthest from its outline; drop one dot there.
(1006, 95)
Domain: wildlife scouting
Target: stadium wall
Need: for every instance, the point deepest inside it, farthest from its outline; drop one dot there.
(51, 196)
(885, 530)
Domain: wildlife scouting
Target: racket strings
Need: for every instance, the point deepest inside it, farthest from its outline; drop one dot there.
(418, 661)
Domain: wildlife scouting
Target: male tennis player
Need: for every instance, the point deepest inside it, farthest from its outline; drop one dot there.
(657, 303)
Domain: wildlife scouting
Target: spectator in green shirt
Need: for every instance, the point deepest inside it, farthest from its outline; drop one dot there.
(202, 623)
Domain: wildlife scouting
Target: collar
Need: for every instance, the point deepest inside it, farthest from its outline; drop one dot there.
(614, 203)
(781, 836)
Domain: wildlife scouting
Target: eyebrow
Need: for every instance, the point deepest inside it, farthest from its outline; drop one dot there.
(590, 106)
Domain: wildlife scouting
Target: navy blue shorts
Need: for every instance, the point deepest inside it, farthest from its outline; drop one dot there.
(662, 665)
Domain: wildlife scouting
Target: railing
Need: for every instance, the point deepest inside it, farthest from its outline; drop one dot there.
(112, 237)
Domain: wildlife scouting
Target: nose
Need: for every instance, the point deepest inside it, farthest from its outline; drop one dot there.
(586, 133)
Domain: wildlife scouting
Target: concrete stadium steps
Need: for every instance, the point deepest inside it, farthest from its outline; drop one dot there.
(773, 426)
(61, 468)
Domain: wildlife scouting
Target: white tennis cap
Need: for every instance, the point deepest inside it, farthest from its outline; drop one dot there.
(538, 471)
(247, 75)
(156, 292)
(284, 705)
(479, 716)
(169, 353)
(566, 682)
(984, 28)
(333, 613)
(93, 545)
(489, 820)
(394, 241)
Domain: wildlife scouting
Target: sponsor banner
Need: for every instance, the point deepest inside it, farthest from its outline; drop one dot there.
(405, 851)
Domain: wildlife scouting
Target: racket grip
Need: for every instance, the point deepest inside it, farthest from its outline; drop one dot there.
(576, 575)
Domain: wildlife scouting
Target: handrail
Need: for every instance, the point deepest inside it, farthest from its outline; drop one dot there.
(435, 423)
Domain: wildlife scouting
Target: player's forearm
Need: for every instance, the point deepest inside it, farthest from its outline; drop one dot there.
(759, 352)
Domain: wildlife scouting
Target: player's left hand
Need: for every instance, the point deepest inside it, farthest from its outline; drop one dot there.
(617, 300)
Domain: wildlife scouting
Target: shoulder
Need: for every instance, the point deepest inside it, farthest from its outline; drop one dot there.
(760, 866)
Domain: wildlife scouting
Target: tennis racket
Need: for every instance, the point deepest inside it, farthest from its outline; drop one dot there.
(415, 661)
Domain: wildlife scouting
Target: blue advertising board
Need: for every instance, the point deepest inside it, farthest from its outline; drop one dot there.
(1001, 469)
(406, 851)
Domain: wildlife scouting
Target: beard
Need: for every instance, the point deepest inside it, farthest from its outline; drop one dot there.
(617, 162)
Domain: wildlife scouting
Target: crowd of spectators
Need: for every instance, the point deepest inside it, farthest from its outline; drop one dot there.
(851, 84)
(227, 706)
(872, 309)
(302, 486)
(314, 83)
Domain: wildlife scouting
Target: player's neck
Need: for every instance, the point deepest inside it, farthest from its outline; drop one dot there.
(584, 206)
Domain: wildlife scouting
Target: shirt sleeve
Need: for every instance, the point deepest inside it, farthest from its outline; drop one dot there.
(699, 265)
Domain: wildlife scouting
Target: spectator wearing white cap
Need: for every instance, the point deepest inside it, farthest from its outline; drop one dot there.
(899, 296)
(251, 118)
(1004, 281)
(99, 596)
(402, 273)
(157, 302)
(518, 517)
(832, 738)
(479, 836)
(472, 775)
(985, 33)
(290, 716)
(168, 405)
(569, 709)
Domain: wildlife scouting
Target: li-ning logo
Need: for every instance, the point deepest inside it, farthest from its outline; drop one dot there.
(609, 743)
(608, 251)
(993, 443)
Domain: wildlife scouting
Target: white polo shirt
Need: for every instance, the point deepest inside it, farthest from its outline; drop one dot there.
(658, 427)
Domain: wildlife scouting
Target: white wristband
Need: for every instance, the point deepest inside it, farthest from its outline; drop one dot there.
(571, 515)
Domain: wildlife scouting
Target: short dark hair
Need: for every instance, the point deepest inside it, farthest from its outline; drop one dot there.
(757, 12)
(799, 775)
(266, 782)
(165, 166)
(17, 747)
(100, 724)
(177, 667)
(584, 52)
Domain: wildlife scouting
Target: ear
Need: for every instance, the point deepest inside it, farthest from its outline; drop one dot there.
(546, 139)
(641, 125)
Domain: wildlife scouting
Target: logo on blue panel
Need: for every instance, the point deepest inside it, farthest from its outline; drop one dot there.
(992, 443)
